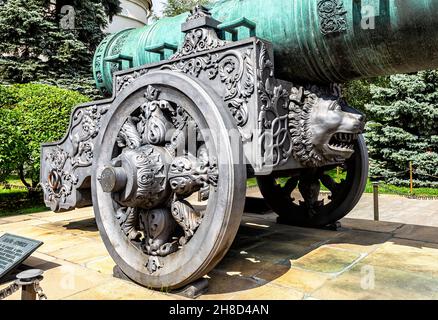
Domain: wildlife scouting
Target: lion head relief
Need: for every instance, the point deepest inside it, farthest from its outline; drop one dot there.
(323, 128)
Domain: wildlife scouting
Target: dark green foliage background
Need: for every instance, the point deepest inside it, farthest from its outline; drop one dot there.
(36, 49)
(402, 112)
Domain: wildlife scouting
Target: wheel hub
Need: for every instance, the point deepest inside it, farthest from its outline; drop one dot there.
(138, 177)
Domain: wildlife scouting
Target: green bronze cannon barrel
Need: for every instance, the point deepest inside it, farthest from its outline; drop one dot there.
(314, 40)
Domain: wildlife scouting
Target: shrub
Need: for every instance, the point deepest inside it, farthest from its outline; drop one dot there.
(31, 114)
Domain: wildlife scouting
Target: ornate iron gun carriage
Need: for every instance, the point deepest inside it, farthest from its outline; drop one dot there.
(165, 160)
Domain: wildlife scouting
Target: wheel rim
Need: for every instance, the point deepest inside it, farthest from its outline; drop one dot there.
(196, 239)
(311, 209)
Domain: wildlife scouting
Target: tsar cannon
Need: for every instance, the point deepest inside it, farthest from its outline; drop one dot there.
(202, 101)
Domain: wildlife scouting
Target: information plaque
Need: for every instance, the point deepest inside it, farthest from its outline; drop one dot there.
(14, 250)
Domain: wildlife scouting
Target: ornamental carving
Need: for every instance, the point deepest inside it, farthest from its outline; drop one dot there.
(199, 12)
(98, 61)
(187, 217)
(57, 158)
(274, 138)
(322, 130)
(62, 166)
(189, 175)
(128, 219)
(117, 49)
(60, 183)
(158, 226)
(201, 39)
(88, 122)
(122, 82)
(150, 181)
(198, 41)
(332, 16)
(235, 70)
(146, 165)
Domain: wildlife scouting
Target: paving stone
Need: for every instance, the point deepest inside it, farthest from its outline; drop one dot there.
(267, 218)
(398, 209)
(254, 231)
(83, 227)
(387, 284)
(296, 236)
(40, 260)
(18, 218)
(263, 221)
(228, 284)
(419, 233)
(225, 286)
(242, 242)
(102, 265)
(370, 225)
(33, 232)
(74, 215)
(301, 280)
(242, 264)
(269, 292)
(55, 242)
(119, 290)
(359, 241)
(66, 280)
(276, 252)
(272, 272)
(406, 255)
(21, 226)
(326, 260)
(82, 254)
(43, 214)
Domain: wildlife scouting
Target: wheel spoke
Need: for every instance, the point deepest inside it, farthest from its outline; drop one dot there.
(330, 184)
(128, 218)
(290, 186)
(158, 226)
(188, 175)
(310, 189)
(188, 219)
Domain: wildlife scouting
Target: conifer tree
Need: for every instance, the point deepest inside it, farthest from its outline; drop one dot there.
(36, 47)
(403, 127)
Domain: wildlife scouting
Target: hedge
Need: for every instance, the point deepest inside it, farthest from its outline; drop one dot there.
(31, 114)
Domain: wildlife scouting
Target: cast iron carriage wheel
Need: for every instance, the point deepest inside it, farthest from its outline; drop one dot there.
(313, 212)
(146, 179)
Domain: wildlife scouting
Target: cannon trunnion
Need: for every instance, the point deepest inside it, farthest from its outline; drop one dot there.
(165, 161)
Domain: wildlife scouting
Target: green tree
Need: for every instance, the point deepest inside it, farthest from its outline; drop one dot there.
(358, 92)
(176, 7)
(403, 127)
(35, 46)
(31, 114)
